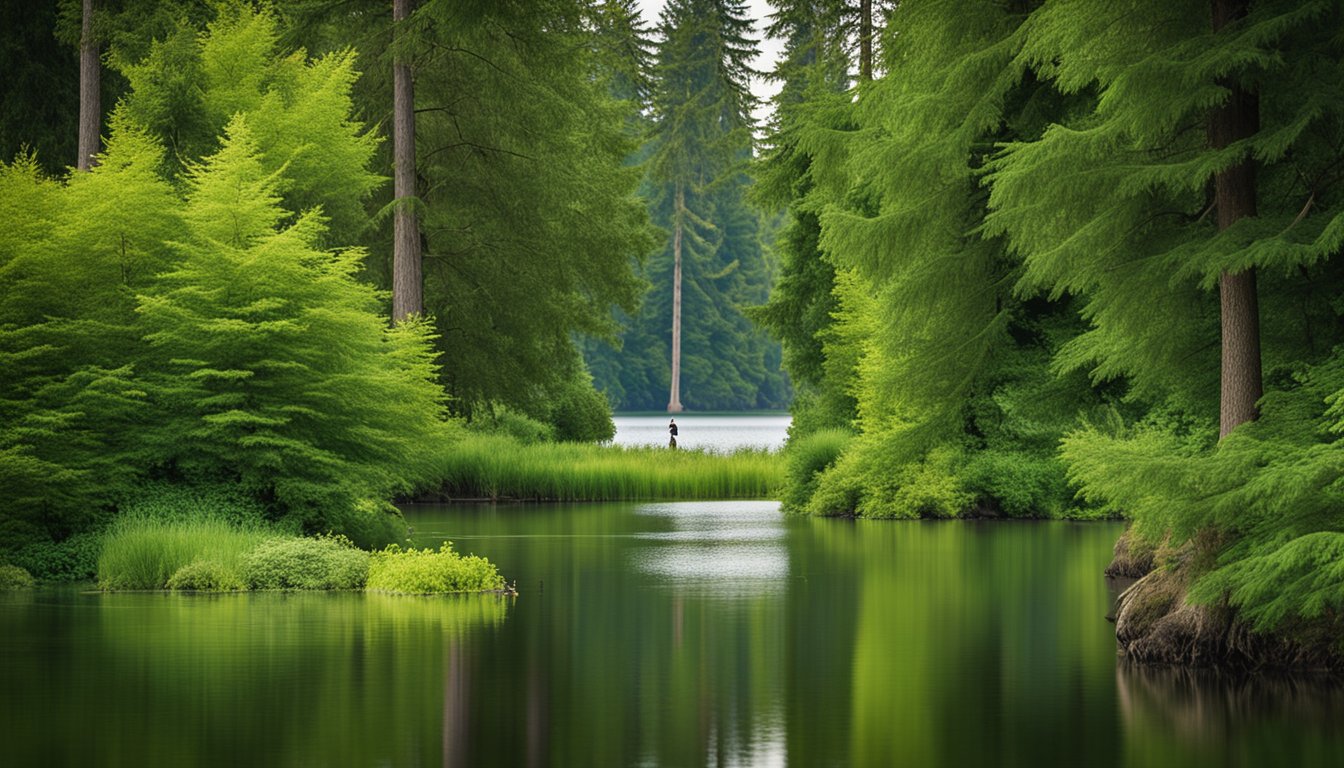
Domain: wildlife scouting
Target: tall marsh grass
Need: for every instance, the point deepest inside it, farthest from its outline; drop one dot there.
(498, 467)
(143, 552)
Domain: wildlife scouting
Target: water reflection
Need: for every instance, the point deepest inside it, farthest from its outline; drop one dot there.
(1189, 717)
(667, 635)
(728, 549)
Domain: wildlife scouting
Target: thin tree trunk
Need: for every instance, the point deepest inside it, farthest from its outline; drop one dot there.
(674, 400)
(865, 40)
(407, 284)
(90, 76)
(1234, 198)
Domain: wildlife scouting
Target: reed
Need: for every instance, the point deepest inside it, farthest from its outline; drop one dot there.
(143, 552)
(498, 467)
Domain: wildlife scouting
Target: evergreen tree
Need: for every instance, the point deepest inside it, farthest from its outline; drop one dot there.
(271, 364)
(713, 263)
(1143, 205)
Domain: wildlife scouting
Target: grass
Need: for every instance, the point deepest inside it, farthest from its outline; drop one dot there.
(214, 555)
(431, 572)
(143, 552)
(498, 467)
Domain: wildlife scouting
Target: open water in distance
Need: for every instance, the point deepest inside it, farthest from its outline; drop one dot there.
(680, 634)
(718, 432)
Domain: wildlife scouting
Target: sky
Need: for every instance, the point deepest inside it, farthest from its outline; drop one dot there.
(770, 50)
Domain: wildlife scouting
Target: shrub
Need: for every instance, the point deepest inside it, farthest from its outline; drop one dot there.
(226, 502)
(143, 552)
(806, 457)
(427, 571)
(520, 427)
(206, 576)
(74, 559)
(325, 562)
(14, 577)
(581, 414)
(1019, 483)
(368, 524)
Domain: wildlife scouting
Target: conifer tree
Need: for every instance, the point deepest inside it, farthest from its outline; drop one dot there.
(271, 363)
(700, 139)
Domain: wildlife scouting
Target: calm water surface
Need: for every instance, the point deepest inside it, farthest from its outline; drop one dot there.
(718, 432)
(682, 634)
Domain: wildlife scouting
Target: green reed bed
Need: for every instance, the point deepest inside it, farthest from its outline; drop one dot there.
(497, 467)
(213, 555)
(143, 552)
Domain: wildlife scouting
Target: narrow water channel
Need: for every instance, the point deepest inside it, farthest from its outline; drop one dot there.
(681, 634)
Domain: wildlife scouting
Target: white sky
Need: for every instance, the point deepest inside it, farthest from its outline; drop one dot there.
(770, 50)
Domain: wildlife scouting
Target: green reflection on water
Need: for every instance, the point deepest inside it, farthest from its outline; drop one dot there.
(672, 634)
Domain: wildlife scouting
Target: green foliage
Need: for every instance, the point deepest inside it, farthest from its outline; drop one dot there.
(273, 364)
(493, 466)
(581, 414)
(700, 137)
(205, 576)
(191, 86)
(529, 210)
(74, 558)
(429, 572)
(141, 552)
(305, 563)
(13, 577)
(806, 457)
(519, 427)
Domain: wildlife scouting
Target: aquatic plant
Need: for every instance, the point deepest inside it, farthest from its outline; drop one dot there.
(428, 571)
(141, 552)
(325, 562)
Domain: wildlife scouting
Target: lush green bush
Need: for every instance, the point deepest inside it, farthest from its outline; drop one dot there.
(581, 413)
(493, 466)
(426, 571)
(806, 457)
(325, 562)
(368, 524)
(226, 502)
(510, 423)
(206, 576)
(73, 559)
(1018, 483)
(14, 577)
(142, 552)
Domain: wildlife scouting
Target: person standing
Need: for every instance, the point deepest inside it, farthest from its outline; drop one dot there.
(672, 433)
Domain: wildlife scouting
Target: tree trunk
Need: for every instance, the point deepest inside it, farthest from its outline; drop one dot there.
(407, 284)
(674, 400)
(865, 40)
(90, 76)
(1234, 199)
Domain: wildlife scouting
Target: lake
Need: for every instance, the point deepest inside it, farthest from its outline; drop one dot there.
(679, 634)
(718, 432)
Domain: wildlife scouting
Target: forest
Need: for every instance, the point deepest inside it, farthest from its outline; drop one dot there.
(1000, 258)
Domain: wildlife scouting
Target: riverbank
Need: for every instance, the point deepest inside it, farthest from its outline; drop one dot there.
(1165, 617)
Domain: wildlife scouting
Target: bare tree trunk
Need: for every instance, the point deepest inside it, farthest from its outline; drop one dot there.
(90, 76)
(1234, 198)
(407, 284)
(674, 400)
(865, 40)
